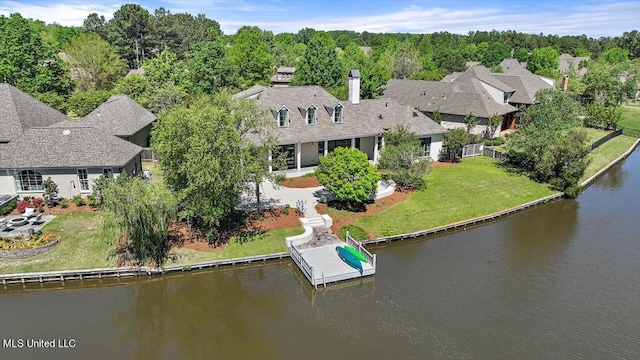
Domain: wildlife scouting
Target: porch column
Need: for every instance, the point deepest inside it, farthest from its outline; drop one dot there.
(375, 149)
(298, 155)
(353, 143)
(326, 147)
(270, 158)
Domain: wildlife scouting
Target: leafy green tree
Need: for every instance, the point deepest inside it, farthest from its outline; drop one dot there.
(494, 122)
(454, 141)
(551, 123)
(53, 99)
(403, 60)
(614, 56)
(320, 64)
(437, 117)
(543, 60)
(402, 156)
(470, 121)
(630, 41)
(522, 55)
(570, 157)
(250, 54)
(130, 32)
(26, 62)
(179, 32)
(210, 69)
(599, 115)
(95, 23)
(347, 173)
(142, 213)
(97, 64)
(82, 103)
(134, 86)
(491, 54)
(205, 151)
(50, 191)
(603, 83)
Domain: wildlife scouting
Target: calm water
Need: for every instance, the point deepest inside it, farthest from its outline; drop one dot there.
(557, 282)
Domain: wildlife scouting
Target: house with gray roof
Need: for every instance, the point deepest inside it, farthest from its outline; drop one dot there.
(566, 62)
(39, 142)
(310, 122)
(123, 117)
(477, 91)
(283, 76)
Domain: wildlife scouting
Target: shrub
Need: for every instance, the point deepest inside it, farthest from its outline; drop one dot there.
(50, 191)
(91, 200)
(286, 208)
(64, 203)
(357, 233)
(8, 207)
(78, 200)
(22, 205)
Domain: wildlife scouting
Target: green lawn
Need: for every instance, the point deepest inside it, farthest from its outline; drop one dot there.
(595, 134)
(156, 171)
(267, 243)
(477, 186)
(606, 153)
(81, 246)
(630, 117)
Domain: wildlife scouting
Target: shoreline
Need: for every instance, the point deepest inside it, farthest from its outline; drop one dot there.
(73, 275)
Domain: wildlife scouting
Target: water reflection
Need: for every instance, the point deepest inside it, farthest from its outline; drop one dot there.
(367, 282)
(613, 179)
(196, 315)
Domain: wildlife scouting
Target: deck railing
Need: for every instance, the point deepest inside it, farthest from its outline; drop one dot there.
(297, 256)
(371, 258)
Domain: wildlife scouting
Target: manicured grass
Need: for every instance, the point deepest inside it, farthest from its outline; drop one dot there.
(267, 243)
(477, 186)
(630, 117)
(81, 246)
(156, 171)
(595, 134)
(606, 153)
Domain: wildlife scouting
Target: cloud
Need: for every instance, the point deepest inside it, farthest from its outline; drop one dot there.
(67, 14)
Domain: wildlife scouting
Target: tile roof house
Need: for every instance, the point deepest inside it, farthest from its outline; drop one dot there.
(311, 122)
(44, 143)
(476, 90)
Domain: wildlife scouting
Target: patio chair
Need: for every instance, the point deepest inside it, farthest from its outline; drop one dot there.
(29, 212)
(37, 220)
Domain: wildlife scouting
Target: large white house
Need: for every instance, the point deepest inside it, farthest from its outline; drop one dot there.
(310, 122)
(37, 142)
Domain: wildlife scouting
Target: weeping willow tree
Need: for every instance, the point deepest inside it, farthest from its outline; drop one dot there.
(141, 212)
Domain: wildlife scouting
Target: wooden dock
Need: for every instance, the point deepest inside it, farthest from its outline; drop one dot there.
(321, 264)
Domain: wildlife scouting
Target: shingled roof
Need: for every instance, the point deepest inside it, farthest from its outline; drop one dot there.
(20, 111)
(456, 98)
(62, 147)
(368, 118)
(526, 83)
(120, 116)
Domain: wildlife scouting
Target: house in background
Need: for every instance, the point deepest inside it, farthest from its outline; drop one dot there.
(476, 90)
(310, 122)
(37, 142)
(283, 76)
(568, 62)
(123, 117)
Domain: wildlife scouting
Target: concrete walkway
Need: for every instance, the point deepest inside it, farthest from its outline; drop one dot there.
(278, 196)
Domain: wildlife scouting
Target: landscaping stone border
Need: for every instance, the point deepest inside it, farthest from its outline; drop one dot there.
(27, 253)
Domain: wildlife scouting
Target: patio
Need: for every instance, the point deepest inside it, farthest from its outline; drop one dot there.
(16, 229)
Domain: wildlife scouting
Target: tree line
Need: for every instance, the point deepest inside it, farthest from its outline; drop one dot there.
(183, 54)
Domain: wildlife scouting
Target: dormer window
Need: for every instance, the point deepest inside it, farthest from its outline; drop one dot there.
(283, 117)
(337, 114)
(312, 114)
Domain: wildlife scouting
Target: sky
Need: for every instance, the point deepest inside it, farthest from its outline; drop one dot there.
(589, 17)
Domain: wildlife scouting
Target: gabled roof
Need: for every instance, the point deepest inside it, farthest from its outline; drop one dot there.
(526, 83)
(368, 118)
(19, 112)
(456, 98)
(62, 147)
(120, 116)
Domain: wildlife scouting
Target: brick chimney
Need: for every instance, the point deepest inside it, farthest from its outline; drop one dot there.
(565, 82)
(354, 86)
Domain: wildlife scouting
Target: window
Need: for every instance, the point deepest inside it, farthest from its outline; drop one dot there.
(337, 114)
(320, 148)
(290, 155)
(425, 143)
(283, 117)
(311, 115)
(83, 179)
(107, 171)
(28, 180)
(346, 143)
